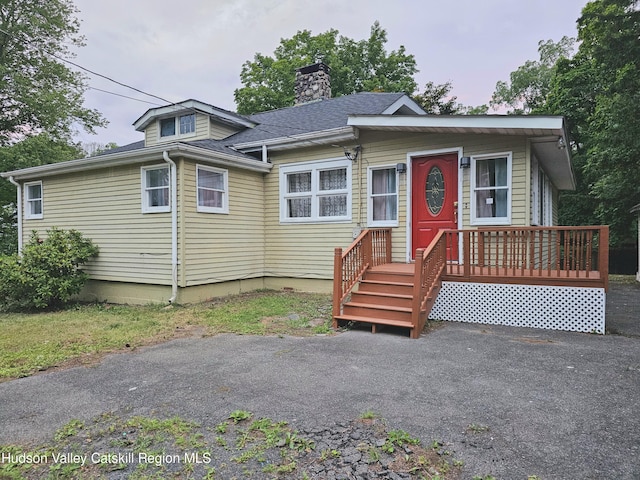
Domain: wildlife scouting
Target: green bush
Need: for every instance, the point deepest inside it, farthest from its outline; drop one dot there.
(8, 229)
(48, 273)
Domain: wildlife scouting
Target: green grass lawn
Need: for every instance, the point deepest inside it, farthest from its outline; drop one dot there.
(81, 334)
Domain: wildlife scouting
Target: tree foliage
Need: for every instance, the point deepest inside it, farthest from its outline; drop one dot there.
(356, 66)
(598, 91)
(48, 273)
(32, 151)
(530, 83)
(38, 91)
(437, 99)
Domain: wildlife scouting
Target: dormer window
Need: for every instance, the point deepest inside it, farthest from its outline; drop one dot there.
(184, 125)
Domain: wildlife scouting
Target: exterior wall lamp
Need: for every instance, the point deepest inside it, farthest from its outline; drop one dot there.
(465, 162)
(353, 156)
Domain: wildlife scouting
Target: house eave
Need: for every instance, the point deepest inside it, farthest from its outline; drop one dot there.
(324, 137)
(499, 124)
(222, 116)
(542, 131)
(138, 156)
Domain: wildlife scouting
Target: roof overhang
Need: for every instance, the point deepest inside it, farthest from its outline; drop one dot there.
(222, 116)
(324, 137)
(543, 132)
(139, 156)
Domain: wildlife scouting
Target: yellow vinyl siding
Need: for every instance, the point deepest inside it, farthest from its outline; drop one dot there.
(105, 205)
(218, 131)
(304, 250)
(222, 247)
(151, 134)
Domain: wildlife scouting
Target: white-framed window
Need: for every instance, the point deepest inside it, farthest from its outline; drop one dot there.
(212, 189)
(491, 189)
(316, 192)
(155, 189)
(33, 199)
(180, 126)
(382, 198)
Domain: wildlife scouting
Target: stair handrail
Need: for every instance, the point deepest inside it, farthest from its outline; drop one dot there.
(372, 247)
(430, 264)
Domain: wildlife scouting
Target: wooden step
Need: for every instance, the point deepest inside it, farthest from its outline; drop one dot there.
(379, 321)
(392, 277)
(377, 312)
(382, 298)
(397, 288)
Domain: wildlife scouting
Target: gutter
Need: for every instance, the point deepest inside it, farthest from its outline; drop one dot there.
(174, 226)
(323, 137)
(139, 155)
(20, 242)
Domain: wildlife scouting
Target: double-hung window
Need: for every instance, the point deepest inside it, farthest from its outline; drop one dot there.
(182, 125)
(491, 189)
(316, 191)
(212, 190)
(33, 200)
(383, 197)
(155, 189)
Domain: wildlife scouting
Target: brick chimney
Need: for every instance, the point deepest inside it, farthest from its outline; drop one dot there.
(312, 83)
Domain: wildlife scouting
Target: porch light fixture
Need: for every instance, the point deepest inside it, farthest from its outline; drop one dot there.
(401, 167)
(353, 156)
(561, 144)
(465, 162)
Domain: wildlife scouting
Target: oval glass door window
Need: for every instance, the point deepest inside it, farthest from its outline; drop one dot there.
(435, 191)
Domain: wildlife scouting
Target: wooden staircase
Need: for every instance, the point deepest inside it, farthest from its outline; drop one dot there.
(384, 297)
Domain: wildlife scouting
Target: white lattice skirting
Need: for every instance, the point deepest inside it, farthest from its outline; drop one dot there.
(575, 309)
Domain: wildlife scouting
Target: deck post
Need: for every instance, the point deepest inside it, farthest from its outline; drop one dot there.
(417, 293)
(387, 237)
(603, 256)
(337, 284)
(466, 253)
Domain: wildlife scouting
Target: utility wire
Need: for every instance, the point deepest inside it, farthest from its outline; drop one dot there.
(123, 96)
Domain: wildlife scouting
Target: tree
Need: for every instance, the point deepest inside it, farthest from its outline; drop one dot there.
(37, 150)
(530, 83)
(437, 100)
(91, 149)
(598, 91)
(38, 91)
(356, 66)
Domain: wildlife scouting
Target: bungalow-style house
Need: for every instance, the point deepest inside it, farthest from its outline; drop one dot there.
(399, 213)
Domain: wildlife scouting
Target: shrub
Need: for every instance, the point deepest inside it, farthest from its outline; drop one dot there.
(8, 229)
(48, 273)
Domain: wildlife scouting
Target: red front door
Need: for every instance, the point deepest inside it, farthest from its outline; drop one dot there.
(434, 199)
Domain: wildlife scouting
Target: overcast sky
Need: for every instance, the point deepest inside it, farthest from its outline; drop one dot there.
(195, 49)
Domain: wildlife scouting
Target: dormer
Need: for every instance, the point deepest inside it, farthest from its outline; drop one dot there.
(187, 121)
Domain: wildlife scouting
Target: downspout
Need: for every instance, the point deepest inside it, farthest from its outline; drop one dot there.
(265, 156)
(17, 184)
(174, 227)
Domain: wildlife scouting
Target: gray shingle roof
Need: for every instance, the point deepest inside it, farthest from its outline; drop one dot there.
(314, 116)
(300, 119)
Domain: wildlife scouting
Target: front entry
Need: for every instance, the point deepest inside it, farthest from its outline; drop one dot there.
(434, 199)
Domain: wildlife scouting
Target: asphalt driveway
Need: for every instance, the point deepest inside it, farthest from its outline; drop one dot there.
(558, 405)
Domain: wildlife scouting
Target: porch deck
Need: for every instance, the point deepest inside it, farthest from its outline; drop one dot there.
(455, 272)
(370, 288)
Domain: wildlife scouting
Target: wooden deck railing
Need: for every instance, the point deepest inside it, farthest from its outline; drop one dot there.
(371, 248)
(430, 264)
(536, 255)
